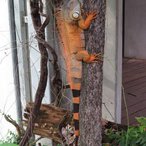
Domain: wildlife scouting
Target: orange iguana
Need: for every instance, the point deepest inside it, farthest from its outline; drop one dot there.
(70, 24)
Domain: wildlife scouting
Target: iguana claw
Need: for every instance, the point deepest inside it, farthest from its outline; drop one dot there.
(95, 58)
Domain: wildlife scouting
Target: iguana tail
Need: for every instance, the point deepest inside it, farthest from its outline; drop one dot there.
(76, 73)
(76, 101)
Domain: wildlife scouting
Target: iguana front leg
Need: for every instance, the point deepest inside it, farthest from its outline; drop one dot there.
(83, 55)
(86, 57)
(84, 24)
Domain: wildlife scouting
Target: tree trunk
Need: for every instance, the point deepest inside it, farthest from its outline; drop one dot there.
(91, 93)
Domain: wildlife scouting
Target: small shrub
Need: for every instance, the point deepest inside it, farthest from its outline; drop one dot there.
(134, 136)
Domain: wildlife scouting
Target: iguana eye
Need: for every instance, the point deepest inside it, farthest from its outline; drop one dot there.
(76, 15)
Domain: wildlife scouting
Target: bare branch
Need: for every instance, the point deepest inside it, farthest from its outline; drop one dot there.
(46, 22)
(19, 129)
(43, 74)
(56, 81)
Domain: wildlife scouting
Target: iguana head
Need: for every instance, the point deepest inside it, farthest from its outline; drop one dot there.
(72, 10)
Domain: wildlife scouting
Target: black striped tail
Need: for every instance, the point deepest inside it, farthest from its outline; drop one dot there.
(76, 101)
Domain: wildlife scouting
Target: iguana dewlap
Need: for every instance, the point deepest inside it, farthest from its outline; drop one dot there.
(70, 25)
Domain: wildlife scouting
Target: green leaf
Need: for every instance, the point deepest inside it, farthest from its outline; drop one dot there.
(141, 120)
(8, 144)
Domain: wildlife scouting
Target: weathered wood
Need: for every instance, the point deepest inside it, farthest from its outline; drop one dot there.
(50, 128)
(48, 121)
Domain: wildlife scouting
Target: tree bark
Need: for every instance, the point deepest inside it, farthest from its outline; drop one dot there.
(91, 93)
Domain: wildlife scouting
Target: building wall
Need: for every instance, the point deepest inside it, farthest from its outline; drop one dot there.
(112, 62)
(135, 29)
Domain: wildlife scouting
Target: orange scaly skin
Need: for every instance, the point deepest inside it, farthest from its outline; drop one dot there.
(73, 50)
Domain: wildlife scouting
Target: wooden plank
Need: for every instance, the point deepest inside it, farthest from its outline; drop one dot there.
(136, 107)
(133, 116)
(133, 66)
(135, 71)
(134, 83)
(132, 101)
(134, 77)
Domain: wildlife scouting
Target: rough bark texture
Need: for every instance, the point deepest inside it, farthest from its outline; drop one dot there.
(91, 93)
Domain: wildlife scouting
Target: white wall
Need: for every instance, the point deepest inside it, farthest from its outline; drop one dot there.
(7, 91)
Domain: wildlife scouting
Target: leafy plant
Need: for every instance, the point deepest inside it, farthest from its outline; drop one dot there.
(10, 138)
(8, 144)
(134, 136)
